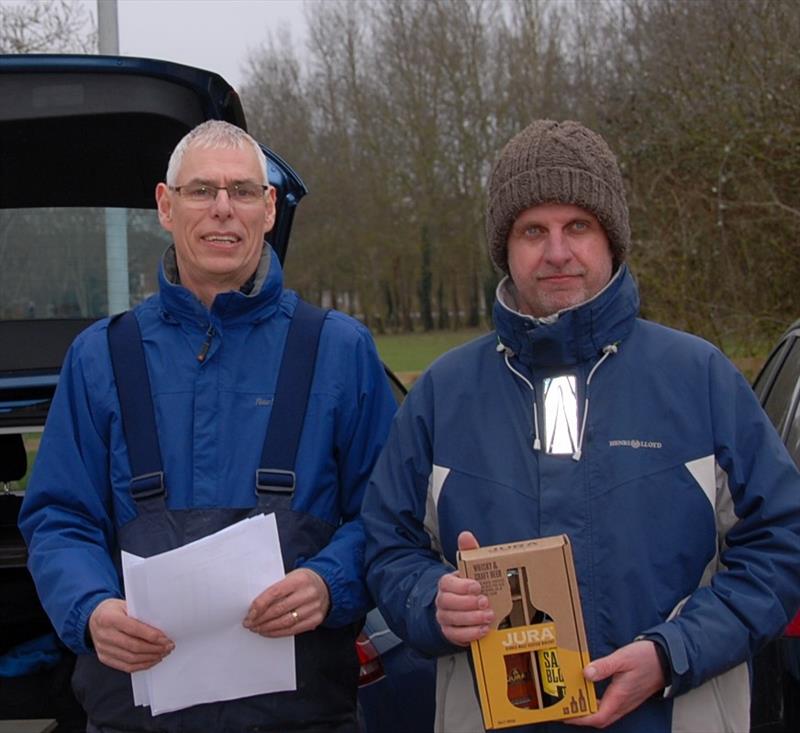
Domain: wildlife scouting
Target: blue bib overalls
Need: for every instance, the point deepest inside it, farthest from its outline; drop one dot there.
(326, 663)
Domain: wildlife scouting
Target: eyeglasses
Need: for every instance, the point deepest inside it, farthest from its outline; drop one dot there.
(201, 195)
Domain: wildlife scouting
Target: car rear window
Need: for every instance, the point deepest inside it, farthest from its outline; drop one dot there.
(61, 263)
(793, 439)
(781, 401)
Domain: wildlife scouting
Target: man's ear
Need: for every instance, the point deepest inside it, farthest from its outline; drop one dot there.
(164, 202)
(271, 211)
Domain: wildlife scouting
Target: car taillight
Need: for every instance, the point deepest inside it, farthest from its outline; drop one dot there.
(793, 629)
(371, 669)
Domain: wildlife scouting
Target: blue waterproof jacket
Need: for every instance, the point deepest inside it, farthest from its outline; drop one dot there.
(213, 375)
(682, 505)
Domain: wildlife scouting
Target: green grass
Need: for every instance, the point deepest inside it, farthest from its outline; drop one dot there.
(413, 352)
(749, 356)
(31, 441)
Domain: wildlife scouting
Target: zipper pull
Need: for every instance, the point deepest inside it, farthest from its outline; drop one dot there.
(201, 357)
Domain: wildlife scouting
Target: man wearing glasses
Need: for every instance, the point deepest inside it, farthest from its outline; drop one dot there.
(215, 342)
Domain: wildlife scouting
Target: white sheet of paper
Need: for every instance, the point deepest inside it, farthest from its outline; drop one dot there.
(141, 695)
(198, 595)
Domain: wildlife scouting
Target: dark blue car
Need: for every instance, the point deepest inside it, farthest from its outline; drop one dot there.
(776, 671)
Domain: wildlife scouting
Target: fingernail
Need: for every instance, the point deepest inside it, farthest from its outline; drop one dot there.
(590, 672)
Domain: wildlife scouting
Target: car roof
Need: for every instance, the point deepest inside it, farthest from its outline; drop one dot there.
(80, 130)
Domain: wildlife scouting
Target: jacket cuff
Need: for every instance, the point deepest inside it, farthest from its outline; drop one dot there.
(672, 655)
(342, 610)
(425, 633)
(81, 642)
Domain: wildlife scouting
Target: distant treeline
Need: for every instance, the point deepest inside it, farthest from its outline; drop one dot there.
(395, 110)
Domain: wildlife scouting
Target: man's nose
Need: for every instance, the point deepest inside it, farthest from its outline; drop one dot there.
(558, 251)
(222, 204)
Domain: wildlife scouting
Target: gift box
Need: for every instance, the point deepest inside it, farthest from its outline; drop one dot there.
(529, 667)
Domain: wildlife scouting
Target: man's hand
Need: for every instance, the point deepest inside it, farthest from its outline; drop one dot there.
(635, 673)
(122, 642)
(291, 606)
(461, 610)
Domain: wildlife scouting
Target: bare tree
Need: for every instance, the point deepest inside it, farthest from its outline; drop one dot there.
(56, 26)
(399, 107)
(711, 121)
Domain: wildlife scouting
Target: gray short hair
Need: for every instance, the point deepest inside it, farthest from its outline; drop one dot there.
(213, 134)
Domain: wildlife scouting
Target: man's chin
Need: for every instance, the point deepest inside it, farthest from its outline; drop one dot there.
(567, 301)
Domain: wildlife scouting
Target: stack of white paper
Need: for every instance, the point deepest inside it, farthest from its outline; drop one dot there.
(198, 595)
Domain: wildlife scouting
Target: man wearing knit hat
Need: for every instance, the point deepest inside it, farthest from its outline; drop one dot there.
(643, 444)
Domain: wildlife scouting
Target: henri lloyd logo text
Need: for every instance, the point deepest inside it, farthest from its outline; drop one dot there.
(635, 443)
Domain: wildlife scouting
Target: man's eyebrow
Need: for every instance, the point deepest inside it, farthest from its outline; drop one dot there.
(209, 182)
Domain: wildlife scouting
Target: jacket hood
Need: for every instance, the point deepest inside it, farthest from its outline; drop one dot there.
(231, 307)
(570, 336)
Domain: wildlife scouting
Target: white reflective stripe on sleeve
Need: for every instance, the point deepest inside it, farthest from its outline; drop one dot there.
(703, 470)
(431, 522)
(713, 480)
(726, 514)
(439, 475)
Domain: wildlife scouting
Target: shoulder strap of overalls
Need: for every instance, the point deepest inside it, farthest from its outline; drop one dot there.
(276, 472)
(136, 405)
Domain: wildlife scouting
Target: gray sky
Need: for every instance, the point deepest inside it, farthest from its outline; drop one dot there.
(211, 34)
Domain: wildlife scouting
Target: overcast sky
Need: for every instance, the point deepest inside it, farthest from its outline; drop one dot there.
(211, 34)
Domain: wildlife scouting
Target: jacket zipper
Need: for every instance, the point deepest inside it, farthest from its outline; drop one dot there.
(201, 357)
(608, 350)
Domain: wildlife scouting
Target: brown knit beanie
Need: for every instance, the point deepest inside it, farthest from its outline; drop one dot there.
(556, 162)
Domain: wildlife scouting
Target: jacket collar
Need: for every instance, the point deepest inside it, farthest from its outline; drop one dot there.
(231, 307)
(570, 336)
